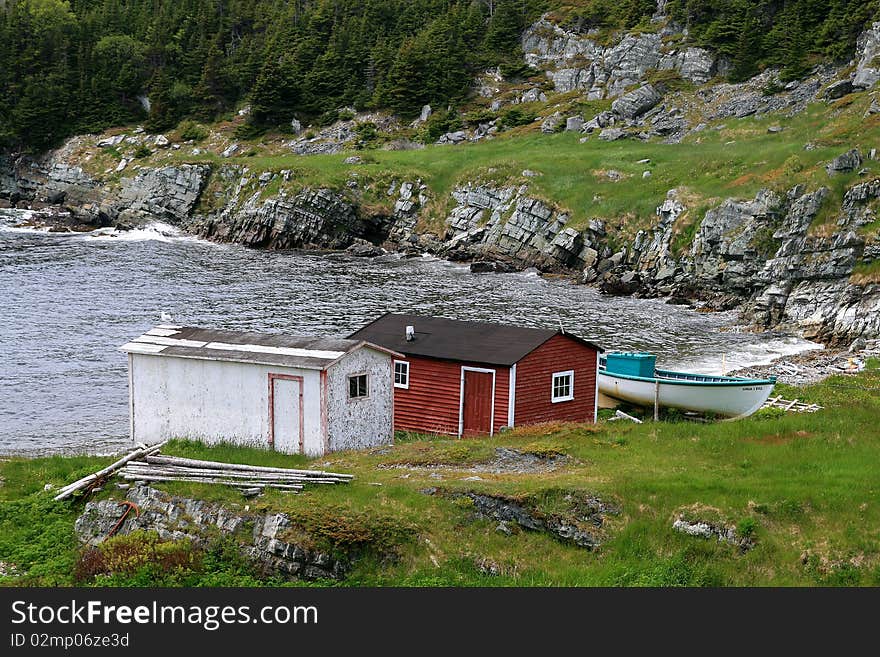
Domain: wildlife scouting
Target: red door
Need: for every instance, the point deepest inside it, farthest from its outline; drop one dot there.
(477, 407)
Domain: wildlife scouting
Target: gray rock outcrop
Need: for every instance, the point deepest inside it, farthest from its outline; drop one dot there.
(169, 193)
(576, 62)
(506, 224)
(312, 218)
(867, 71)
(791, 269)
(261, 536)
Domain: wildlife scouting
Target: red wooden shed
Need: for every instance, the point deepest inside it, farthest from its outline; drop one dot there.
(472, 378)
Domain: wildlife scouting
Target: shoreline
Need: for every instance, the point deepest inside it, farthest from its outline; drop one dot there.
(815, 365)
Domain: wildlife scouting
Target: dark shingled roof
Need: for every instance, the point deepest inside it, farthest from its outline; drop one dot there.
(450, 339)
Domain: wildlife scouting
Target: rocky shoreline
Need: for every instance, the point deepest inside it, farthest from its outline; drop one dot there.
(808, 367)
(794, 259)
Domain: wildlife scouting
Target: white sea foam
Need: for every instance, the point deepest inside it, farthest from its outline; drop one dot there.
(155, 231)
(753, 354)
(11, 220)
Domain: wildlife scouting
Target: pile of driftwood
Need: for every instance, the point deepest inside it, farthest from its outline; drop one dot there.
(175, 468)
(147, 465)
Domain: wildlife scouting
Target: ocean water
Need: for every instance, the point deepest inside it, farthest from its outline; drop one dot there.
(69, 300)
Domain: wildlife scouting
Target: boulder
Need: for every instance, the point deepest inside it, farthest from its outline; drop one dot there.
(56, 197)
(624, 285)
(551, 123)
(601, 120)
(838, 90)
(533, 95)
(612, 134)
(849, 161)
(574, 124)
(110, 141)
(161, 141)
(295, 126)
(636, 102)
(425, 114)
(696, 64)
(486, 267)
(456, 137)
(363, 249)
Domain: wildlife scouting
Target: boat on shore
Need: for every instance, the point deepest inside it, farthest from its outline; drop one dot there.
(634, 378)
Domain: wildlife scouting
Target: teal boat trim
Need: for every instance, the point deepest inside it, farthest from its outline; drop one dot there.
(688, 379)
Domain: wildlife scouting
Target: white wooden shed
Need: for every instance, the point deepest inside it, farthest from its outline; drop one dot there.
(289, 393)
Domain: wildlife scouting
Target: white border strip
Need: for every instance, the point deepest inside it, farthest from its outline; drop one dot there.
(158, 340)
(511, 397)
(281, 351)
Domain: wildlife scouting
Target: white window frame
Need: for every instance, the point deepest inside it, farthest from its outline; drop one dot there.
(405, 386)
(559, 375)
(366, 375)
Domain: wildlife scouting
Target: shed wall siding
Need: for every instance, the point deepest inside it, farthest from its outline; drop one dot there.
(214, 401)
(534, 379)
(431, 404)
(367, 422)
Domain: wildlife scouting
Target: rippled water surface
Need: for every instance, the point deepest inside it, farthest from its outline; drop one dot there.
(70, 300)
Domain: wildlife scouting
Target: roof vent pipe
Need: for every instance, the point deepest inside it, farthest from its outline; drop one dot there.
(410, 333)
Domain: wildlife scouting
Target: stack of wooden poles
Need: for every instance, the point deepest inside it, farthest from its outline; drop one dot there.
(146, 465)
(95, 480)
(246, 477)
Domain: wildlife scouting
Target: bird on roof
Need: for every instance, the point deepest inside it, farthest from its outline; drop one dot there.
(165, 317)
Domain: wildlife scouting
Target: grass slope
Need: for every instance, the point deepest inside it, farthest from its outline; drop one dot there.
(805, 487)
(733, 158)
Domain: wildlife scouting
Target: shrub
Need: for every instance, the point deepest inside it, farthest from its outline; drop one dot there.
(142, 151)
(481, 115)
(190, 130)
(516, 116)
(746, 527)
(439, 123)
(127, 555)
(366, 134)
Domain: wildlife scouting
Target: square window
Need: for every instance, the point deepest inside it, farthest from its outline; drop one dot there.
(563, 387)
(357, 386)
(401, 374)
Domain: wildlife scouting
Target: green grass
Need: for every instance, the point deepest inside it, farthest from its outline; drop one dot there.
(734, 158)
(866, 272)
(805, 487)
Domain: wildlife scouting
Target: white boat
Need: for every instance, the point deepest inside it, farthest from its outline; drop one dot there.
(632, 377)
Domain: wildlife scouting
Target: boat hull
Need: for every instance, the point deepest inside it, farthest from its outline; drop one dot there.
(730, 399)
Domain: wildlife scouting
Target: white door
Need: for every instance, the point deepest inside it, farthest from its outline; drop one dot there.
(287, 414)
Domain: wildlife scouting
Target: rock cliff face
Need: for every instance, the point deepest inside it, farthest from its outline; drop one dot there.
(791, 270)
(575, 62)
(168, 194)
(312, 218)
(506, 224)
